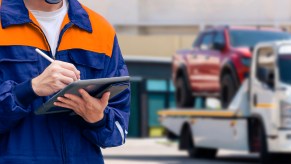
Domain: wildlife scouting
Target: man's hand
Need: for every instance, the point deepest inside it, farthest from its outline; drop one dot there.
(54, 78)
(91, 109)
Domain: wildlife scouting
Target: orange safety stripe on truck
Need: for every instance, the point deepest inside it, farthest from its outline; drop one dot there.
(199, 113)
(265, 105)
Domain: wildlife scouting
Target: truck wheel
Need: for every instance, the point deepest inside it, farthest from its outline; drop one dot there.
(171, 136)
(265, 156)
(227, 90)
(195, 152)
(183, 94)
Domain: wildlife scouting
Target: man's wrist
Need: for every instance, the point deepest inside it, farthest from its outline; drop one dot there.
(99, 123)
(34, 86)
(96, 119)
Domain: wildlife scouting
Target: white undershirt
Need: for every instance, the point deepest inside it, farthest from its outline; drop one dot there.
(50, 23)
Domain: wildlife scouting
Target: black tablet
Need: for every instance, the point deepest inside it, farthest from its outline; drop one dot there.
(95, 87)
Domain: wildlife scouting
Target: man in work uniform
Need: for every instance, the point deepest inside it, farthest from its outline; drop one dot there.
(84, 46)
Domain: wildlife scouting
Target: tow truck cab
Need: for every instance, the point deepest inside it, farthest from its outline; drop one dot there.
(270, 93)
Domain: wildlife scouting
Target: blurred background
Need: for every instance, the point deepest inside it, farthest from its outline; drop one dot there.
(150, 32)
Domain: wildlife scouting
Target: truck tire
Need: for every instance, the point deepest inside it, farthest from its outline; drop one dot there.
(183, 94)
(228, 90)
(265, 156)
(195, 152)
(171, 136)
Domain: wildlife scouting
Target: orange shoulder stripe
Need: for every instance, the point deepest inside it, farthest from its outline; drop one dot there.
(101, 40)
(22, 35)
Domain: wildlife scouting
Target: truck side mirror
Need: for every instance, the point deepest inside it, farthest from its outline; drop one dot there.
(218, 46)
(266, 76)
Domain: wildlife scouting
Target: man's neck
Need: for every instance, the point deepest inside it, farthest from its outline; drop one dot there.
(41, 5)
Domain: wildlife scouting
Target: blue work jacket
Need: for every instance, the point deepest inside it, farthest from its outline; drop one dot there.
(86, 40)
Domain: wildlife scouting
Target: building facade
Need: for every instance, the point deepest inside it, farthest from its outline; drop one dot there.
(184, 16)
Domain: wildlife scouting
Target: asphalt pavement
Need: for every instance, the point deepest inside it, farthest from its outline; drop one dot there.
(162, 151)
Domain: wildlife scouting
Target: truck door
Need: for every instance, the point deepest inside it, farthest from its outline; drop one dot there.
(201, 58)
(213, 61)
(262, 88)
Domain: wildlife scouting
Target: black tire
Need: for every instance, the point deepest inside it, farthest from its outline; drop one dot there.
(228, 90)
(171, 136)
(183, 94)
(284, 158)
(265, 156)
(195, 152)
(263, 149)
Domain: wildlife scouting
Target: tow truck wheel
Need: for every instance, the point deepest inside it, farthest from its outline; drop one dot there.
(183, 94)
(195, 152)
(265, 156)
(171, 136)
(227, 90)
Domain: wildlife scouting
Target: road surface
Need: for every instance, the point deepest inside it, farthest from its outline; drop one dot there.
(161, 151)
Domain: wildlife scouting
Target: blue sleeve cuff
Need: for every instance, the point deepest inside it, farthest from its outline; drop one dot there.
(24, 93)
(99, 123)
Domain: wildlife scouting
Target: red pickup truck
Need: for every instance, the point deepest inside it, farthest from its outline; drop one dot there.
(218, 63)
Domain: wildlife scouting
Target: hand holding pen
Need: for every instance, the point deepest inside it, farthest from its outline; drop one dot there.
(44, 55)
(55, 77)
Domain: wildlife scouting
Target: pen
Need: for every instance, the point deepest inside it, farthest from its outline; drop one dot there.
(44, 55)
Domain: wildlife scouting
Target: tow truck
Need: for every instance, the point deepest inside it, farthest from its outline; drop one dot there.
(258, 119)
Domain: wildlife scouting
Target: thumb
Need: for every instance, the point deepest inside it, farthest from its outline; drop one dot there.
(105, 98)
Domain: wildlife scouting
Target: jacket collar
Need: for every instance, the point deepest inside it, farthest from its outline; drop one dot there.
(14, 12)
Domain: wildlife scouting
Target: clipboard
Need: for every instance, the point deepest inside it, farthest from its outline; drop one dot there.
(95, 87)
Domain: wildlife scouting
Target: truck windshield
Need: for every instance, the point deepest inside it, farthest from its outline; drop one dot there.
(249, 38)
(284, 63)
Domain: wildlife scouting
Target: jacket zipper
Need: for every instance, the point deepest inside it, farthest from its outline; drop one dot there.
(66, 27)
(64, 151)
(47, 43)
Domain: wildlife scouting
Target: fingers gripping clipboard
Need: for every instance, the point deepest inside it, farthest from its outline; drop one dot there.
(95, 87)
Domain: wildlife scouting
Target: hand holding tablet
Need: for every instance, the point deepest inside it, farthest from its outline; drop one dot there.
(95, 87)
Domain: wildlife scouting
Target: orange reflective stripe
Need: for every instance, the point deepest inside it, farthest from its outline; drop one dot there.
(100, 40)
(22, 35)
